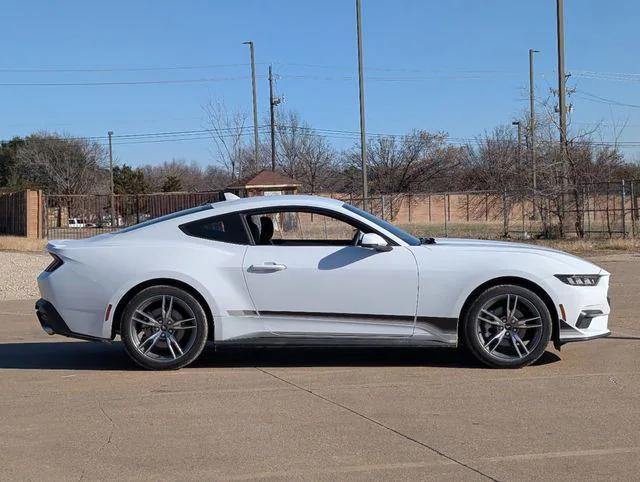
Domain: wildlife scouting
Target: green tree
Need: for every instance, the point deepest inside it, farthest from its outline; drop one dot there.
(8, 151)
(127, 180)
(172, 184)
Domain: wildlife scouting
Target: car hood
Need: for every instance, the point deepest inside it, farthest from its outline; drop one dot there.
(575, 264)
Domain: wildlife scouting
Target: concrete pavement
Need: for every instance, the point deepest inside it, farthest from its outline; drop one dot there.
(81, 410)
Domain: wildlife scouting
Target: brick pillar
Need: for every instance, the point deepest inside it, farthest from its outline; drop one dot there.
(33, 214)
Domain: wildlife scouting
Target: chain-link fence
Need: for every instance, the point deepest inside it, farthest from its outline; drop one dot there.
(591, 210)
(82, 216)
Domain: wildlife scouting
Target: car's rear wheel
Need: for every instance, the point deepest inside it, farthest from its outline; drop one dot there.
(164, 328)
(507, 326)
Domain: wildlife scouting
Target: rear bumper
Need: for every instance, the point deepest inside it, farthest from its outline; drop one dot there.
(53, 324)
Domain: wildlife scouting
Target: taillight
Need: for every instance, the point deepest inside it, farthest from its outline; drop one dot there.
(55, 264)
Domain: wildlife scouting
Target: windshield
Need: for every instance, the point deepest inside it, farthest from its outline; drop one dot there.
(406, 237)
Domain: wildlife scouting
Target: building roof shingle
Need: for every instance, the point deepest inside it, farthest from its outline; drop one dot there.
(264, 178)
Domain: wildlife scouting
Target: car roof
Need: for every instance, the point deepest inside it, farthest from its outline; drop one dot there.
(256, 202)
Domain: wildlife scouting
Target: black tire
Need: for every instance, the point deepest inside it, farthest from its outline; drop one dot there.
(518, 346)
(166, 352)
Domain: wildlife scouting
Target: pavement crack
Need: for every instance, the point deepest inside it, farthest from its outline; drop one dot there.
(109, 437)
(378, 423)
(113, 426)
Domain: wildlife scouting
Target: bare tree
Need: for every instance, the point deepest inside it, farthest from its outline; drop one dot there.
(290, 134)
(401, 164)
(192, 177)
(304, 154)
(61, 164)
(227, 130)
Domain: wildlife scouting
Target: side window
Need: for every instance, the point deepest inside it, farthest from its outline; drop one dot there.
(295, 227)
(227, 228)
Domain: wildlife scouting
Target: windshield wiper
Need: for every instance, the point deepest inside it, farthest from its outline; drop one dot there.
(427, 240)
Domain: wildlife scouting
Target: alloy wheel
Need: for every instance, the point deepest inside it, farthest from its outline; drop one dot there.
(509, 327)
(163, 328)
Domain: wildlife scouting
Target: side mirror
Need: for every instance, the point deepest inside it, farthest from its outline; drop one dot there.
(374, 241)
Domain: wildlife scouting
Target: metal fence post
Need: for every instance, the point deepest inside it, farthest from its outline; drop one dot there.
(444, 204)
(624, 201)
(635, 200)
(467, 207)
(429, 199)
(409, 205)
(383, 206)
(633, 210)
(523, 216)
(505, 218)
(486, 207)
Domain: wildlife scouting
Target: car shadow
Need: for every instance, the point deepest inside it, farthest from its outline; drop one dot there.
(344, 257)
(111, 356)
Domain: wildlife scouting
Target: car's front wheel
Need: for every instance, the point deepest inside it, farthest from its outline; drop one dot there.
(164, 328)
(507, 326)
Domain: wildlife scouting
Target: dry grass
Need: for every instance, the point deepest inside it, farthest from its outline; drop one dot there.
(17, 243)
(591, 246)
(455, 230)
(583, 247)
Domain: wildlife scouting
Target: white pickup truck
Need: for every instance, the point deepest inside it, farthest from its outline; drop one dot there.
(80, 223)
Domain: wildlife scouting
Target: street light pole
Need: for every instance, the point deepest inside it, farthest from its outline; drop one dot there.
(113, 197)
(255, 106)
(532, 131)
(363, 136)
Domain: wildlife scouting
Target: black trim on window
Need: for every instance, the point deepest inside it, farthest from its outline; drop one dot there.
(236, 234)
(395, 230)
(315, 210)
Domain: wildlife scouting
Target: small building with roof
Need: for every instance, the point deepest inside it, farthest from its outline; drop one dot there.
(264, 183)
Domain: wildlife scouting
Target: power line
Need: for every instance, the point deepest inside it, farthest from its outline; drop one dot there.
(129, 82)
(198, 134)
(166, 134)
(602, 100)
(114, 68)
(345, 134)
(614, 76)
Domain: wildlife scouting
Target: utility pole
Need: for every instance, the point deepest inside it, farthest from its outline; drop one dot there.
(363, 135)
(255, 106)
(113, 197)
(272, 104)
(562, 107)
(532, 130)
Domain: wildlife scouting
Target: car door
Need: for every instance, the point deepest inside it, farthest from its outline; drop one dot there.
(309, 279)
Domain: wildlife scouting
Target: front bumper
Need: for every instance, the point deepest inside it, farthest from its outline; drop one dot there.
(583, 312)
(53, 324)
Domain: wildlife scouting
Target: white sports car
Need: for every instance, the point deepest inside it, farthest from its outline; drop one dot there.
(305, 270)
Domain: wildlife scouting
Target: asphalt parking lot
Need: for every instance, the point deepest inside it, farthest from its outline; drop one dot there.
(82, 410)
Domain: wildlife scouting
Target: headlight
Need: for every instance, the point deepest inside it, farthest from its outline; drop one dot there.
(579, 279)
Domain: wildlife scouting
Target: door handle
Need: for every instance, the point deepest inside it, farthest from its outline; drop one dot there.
(267, 267)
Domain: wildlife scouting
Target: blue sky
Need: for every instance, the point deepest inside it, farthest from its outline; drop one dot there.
(459, 66)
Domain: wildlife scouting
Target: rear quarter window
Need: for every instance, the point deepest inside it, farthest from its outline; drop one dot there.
(166, 217)
(226, 228)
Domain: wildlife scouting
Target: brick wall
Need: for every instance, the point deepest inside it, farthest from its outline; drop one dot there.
(21, 214)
